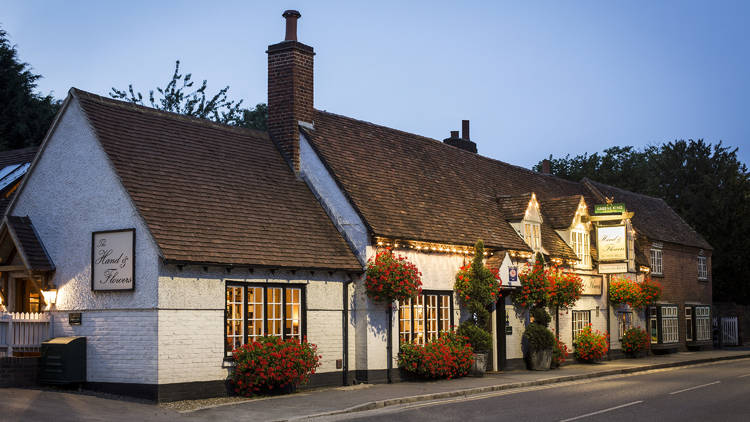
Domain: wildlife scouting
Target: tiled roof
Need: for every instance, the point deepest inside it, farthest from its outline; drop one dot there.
(559, 212)
(212, 193)
(28, 244)
(653, 217)
(17, 156)
(514, 207)
(555, 245)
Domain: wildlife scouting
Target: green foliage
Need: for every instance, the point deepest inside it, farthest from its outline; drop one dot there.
(25, 115)
(538, 337)
(705, 184)
(634, 340)
(541, 316)
(181, 96)
(480, 340)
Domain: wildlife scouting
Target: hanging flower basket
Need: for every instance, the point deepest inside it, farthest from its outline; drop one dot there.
(392, 277)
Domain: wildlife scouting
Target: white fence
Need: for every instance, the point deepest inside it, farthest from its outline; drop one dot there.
(729, 332)
(23, 332)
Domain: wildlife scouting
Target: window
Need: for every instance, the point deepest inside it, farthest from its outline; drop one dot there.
(255, 310)
(581, 247)
(624, 322)
(702, 323)
(580, 320)
(688, 323)
(669, 324)
(702, 268)
(653, 325)
(532, 235)
(425, 317)
(656, 262)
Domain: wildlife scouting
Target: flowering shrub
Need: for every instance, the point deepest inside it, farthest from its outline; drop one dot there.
(448, 356)
(484, 287)
(634, 340)
(564, 288)
(559, 352)
(534, 286)
(392, 277)
(591, 345)
(477, 288)
(551, 286)
(271, 363)
(638, 295)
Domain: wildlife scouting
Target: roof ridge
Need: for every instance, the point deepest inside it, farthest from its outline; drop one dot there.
(626, 190)
(162, 113)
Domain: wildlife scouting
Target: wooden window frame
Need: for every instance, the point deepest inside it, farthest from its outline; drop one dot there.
(425, 301)
(573, 314)
(657, 255)
(702, 268)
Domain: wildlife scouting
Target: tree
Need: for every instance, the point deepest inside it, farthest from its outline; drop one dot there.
(177, 97)
(705, 184)
(25, 115)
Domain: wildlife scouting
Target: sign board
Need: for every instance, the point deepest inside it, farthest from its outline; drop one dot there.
(113, 260)
(592, 285)
(508, 330)
(612, 243)
(512, 274)
(617, 208)
(613, 268)
(74, 318)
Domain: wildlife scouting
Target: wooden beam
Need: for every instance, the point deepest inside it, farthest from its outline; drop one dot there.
(8, 268)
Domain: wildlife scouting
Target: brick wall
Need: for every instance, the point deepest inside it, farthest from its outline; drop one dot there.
(191, 345)
(290, 95)
(18, 372)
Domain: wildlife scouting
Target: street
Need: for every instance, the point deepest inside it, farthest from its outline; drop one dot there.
(717, 392)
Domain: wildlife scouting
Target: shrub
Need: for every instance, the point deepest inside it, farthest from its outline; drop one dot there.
(650, 292)
(634, 340)
(539, 337)
(392, 278)
(551, 286)
(271, 364)
(559, 352)
(564, 288)
(534, 287)
(541, 316)
(638, 295)
(448, 356)
(591, 345)
(479, 339)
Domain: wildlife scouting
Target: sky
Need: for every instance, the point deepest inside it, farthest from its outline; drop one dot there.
(535, 78)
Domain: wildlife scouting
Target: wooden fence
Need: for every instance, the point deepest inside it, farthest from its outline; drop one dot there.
(22, 333)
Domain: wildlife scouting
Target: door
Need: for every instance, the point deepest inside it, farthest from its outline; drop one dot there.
(502, 323)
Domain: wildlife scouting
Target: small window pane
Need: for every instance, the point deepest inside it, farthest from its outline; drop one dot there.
(292, 324)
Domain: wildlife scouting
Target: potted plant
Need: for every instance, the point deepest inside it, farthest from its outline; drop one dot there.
(559, 353)
(591, 345)
(634, 341)
(477, 288)
(539, 341)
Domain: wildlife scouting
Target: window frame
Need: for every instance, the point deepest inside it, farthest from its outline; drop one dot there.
(689, 324)
(266, 286)
(533, 234)
(425, 322)
(700, 323)
(657, 261)
(586, 321)
(581, 241)
(624, 324)
(702, 268)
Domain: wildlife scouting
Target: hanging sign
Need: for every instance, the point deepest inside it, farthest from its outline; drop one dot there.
(113, 260)
(512, 274)
(613, 268)
(592, 285)
(617, 208)
(611, 243)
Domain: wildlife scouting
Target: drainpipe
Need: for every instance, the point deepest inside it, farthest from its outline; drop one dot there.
(345, 330)
(609, 330)
(389, 348)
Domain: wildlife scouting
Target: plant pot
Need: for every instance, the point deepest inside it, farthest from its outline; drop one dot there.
(479, 367)
(539, 360)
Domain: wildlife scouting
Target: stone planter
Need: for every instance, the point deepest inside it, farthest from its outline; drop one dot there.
(539, 360)
(479, 367)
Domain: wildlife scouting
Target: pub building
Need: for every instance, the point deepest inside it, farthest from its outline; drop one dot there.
(172, 240)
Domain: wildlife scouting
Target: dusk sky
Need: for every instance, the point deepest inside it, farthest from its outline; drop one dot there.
(534, 79)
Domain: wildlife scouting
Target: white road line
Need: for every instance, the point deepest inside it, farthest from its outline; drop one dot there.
(743, 376)
(693, 388)
(599, 412)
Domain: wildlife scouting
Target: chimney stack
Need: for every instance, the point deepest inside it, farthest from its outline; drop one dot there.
(463, 141)
(290, 90)
(546, 166)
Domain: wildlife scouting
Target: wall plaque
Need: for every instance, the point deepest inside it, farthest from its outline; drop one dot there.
(611, 243)
(74, 318)
(592, 285)
(613, 268)
(113, 260)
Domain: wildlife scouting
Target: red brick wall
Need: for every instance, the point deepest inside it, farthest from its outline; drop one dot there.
(290, 95)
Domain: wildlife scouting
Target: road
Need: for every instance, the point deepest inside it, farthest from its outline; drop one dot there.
(714, 392)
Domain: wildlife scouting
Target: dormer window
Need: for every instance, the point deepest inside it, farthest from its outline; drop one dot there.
(532, 235)
(581, 246)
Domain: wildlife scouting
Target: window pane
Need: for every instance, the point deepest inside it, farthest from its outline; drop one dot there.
(234, 321)
(432, 316)
(292, 321)
(254, 312)
(274, 311)
(404, 321)
(419, 319)
(445, 313)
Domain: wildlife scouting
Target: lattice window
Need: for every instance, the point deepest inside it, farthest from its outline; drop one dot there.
(669, 324)
(656, 261)
(702, 268)
(703, 323)
(425, 317)
(580, 320)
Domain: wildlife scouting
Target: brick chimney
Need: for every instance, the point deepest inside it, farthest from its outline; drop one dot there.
(546, 164)
(462, 142)
(290, 89)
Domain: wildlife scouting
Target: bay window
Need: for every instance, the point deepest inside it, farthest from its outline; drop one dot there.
(425, 317)
(255, 310)
(664, 325)
(698, 323)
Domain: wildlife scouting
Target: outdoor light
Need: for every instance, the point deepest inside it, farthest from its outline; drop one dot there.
(50, 296)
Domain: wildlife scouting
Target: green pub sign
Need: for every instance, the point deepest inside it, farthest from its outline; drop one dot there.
(609, 208)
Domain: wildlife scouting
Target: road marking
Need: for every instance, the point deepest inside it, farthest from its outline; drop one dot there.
(599, 412)
(743, 376)
(693, 388)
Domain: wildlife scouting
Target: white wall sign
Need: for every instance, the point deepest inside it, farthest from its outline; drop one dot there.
(113, 260)
(592, 285)
(613, 268)
(611, 241)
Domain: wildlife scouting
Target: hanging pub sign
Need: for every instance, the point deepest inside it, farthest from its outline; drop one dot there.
(617, 208)
(592, 285)
(113, 260)
(512, 274)
(612, 243)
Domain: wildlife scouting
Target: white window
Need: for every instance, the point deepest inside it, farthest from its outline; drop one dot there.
(582, 248)
(656, 262)
(702, 268)
(702, 323)
(669, 324)
(624, 322)
(532, 235)
(653, 325)
(580, 320)
(425, 317)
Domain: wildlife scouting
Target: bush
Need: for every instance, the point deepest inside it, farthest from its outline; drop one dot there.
(541, 316)
(634, 340)
(392, 278)
(448, 356)
(479, 339)
(638, 295)
(559, 352)
(539, 337)
(591, 345)
(271, 364)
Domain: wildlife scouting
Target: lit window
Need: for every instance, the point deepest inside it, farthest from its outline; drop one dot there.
(253, 311)
(624, 322)
(425, 317)
(580, 320)
(702, 268)
(582, 247)
(653, 325)
(656, 261)
(532, 235)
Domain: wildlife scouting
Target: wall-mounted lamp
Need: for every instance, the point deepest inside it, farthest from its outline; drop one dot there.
(50, 296)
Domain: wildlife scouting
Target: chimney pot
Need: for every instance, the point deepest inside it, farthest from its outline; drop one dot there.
(454, 134)
(546, 166)
(465, 130)
(291, 17)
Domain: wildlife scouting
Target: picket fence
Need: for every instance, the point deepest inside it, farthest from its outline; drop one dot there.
(23, 332)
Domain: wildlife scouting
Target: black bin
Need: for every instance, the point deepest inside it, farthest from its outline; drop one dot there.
(63, 361)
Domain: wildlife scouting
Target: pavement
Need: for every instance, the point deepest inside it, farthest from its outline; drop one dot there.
(35, 404)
